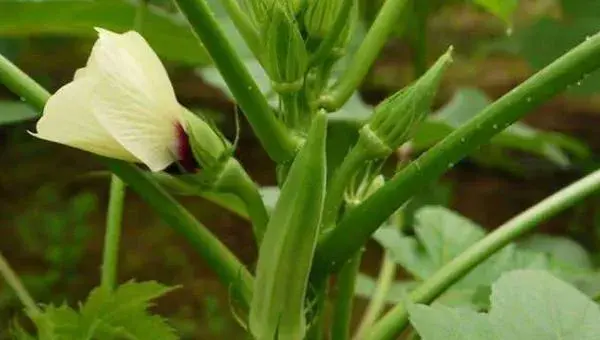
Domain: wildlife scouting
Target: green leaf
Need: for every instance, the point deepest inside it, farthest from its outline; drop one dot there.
(526, 305)
(532, 44)
(441, 235)
(566, 256)
(167, 33)
(58, 323)
(503, 9)
(15, 112)
(121, 314)
(441, 322)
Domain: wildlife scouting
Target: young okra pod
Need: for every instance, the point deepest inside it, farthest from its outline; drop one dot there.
(396, 118)
(277, 310)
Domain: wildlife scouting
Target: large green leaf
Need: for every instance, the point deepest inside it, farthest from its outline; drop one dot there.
(167, 33)
(121, 314)
(526, 305)
(441, 235)
(15, 112)
(565, 255)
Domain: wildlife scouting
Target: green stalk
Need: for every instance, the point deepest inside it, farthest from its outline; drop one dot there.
(356, 227)
(344, 298)
(113, 234)
(386, 21)
(229, 269)
(235, 180)
(140, 15)
(244, 26)
(387, 273)
(22, 85)
(15, 283)
(396, 319)
(275, 138)
(319, 294)
(342, 176)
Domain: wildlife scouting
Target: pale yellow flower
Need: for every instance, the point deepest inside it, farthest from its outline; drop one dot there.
(120, 105)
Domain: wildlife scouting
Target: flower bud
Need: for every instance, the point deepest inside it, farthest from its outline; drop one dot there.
(397, 117)
(320, 16)
(285, 54)
(260, 10)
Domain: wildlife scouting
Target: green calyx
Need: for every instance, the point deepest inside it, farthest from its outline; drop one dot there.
(397, 117)
(278, 305)
(372, 144)
(209, 148)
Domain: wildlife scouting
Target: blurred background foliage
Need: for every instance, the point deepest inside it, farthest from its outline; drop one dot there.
(53, 198)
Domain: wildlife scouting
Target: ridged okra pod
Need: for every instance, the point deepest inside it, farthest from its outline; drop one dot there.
(277, 310)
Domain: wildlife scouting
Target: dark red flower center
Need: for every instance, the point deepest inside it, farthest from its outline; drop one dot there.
(184, 151)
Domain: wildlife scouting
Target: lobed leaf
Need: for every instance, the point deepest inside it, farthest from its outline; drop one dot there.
(441, 235)
(526, 304)
(121, 314)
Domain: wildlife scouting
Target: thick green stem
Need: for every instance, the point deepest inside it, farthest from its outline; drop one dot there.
(229, 269)
(396, 319)
(15, 283)
(275, 138)
(244, 26)
(387, 273)
(386, 21)
(113, 234)
(356, 227)
(22, 85)
(344, 298)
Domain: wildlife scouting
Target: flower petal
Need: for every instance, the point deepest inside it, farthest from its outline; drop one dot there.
(134, 99)
(69, 120)
(130, 119)
(124, 50)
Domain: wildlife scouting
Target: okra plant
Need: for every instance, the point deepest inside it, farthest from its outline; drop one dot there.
(122, 107)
